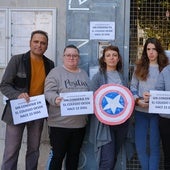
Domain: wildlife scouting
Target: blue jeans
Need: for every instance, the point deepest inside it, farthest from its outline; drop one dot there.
(147, 140)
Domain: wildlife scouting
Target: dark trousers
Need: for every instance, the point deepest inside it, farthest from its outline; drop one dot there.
(13, 139)
(164, 126)
(65, 142)
(110, 151)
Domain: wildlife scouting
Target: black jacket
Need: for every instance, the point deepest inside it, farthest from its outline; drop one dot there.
(16, 79)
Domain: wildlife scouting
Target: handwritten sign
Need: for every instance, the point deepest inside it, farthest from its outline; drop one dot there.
(159, 102)
(25, 112)
(76, 103)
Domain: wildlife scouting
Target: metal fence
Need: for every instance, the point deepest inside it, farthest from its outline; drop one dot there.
(148, 18)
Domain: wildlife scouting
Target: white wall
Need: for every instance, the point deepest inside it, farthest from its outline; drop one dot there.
(60, 5)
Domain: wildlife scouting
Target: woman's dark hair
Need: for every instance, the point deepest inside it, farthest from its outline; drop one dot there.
(142, 64)
(102, 64)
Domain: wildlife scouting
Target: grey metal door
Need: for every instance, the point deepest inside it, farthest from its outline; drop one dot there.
(80, 15)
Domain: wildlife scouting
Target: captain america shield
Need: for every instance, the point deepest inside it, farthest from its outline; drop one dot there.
(113, 104)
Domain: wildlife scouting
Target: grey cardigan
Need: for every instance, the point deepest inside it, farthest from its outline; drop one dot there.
(99, 133)
(163, 83)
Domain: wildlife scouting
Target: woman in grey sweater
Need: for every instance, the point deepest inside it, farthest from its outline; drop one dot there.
(66, 132)
(144, 78)
(107, 139)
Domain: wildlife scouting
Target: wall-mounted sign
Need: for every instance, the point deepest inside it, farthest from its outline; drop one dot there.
(102, 30)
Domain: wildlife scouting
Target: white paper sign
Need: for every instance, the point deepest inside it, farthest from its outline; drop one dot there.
(159, 102)
(76, 103)
(25, 112)
(102, 30)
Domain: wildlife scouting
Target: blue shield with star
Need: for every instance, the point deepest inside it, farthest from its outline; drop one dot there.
(113, 104)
